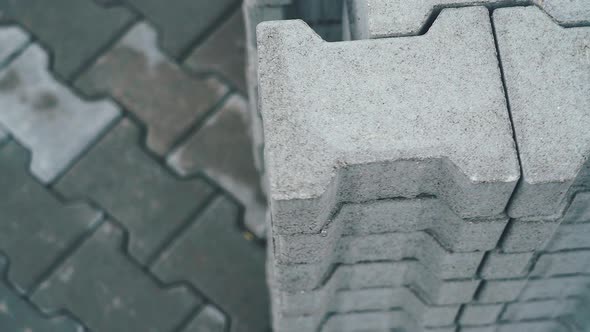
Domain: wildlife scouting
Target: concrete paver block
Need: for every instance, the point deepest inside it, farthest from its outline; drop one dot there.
(562, 263)
(317, 148)
(536, 326)
(540, 309)
(579, 209)
(74, 41)
(31, 243)
(124, 297)
(390, 18)
(136, 74)
(55, 124)
(16, 314)
(499, 291)
(478, 314)
(222, 149)
(528, 235)
(570, 236)
(11, 40)
(527, 39)
(555, 287)
(209, 319)
(150, 202)
(503, 266)
(231, 276)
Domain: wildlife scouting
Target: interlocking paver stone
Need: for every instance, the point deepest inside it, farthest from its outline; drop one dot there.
(18, 315)
(474, 314)
(46, 116)
(555, 287)
(214, 256)
(539, 309)
(317, 148)
(501, 265)
(560, 263)
(166, 98)
(550, 120)
(75, 40)
(222, 149)
(389, 18)
(224, 51)
(181, 22)
(35, 227)
(209, 319)
(123, 297)
(146, 198)
(11, 40)
(498, 291)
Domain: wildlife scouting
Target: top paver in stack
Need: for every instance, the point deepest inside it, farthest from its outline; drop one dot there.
(433, 179)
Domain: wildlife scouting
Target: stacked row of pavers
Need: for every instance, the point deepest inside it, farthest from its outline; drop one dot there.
(434, 179)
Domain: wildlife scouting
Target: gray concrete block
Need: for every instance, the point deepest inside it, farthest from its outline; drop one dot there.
(499, 291)
(209, 319)
(534, 48)
(431, 288)
(391, 246)
(539, 309)
(503, 266)
(570, 236)
(562, 263)
(12, 39)
(31, 243)
(555, 287)
(119, 176)
(140, 77)
(124, 297)
(536, 326)
(376, 299)
(480, 314)
(317, 149)
(404, 215)
(524, 235)
(579, 210)
(50, 120)
(389, 18)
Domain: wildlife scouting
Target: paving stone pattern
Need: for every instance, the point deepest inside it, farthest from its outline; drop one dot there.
(129, 199)
(431, 175)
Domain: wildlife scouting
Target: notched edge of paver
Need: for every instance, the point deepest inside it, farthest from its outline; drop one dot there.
(331, 177)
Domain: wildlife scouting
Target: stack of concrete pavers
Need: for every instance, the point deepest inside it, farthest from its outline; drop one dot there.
(399, 198)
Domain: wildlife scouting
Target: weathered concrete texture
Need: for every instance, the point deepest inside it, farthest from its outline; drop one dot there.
(317, 148)
(145, 82)
(224, 51)
(390, 18)
(50, 120)
(222, 149)
(182, 22)
(232, 277)
(31, 243)
(551, 119)
(11, 40)
(16, 314)
(124, 297)
(73, 41)
(151, 203)
(209, 319)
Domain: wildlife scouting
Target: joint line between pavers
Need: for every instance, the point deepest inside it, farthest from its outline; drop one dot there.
(16, 53)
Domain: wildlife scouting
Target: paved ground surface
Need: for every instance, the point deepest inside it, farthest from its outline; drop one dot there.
(128, 195)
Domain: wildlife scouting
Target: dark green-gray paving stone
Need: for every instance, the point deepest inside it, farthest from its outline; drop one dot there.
(35, 227)
(110, 293)
(17, 315)
(74, 30)
(218, 260)
(120, 177)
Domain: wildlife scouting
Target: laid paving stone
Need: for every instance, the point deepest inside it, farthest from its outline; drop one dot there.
(148, 200)
(561, 263)
(503, 266)
(124, 297)
(73, 41)
(500, 291)
(478, 314)
(222, 149)
(209, 319)
(385, 18)
(317, 149)
(527, 39)
(539, 309)
(11, 40)
(50, 120)
(31, 243)
(224, 51)
(16, 314)
(213, 255)
(145, 82)
(181, 22)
